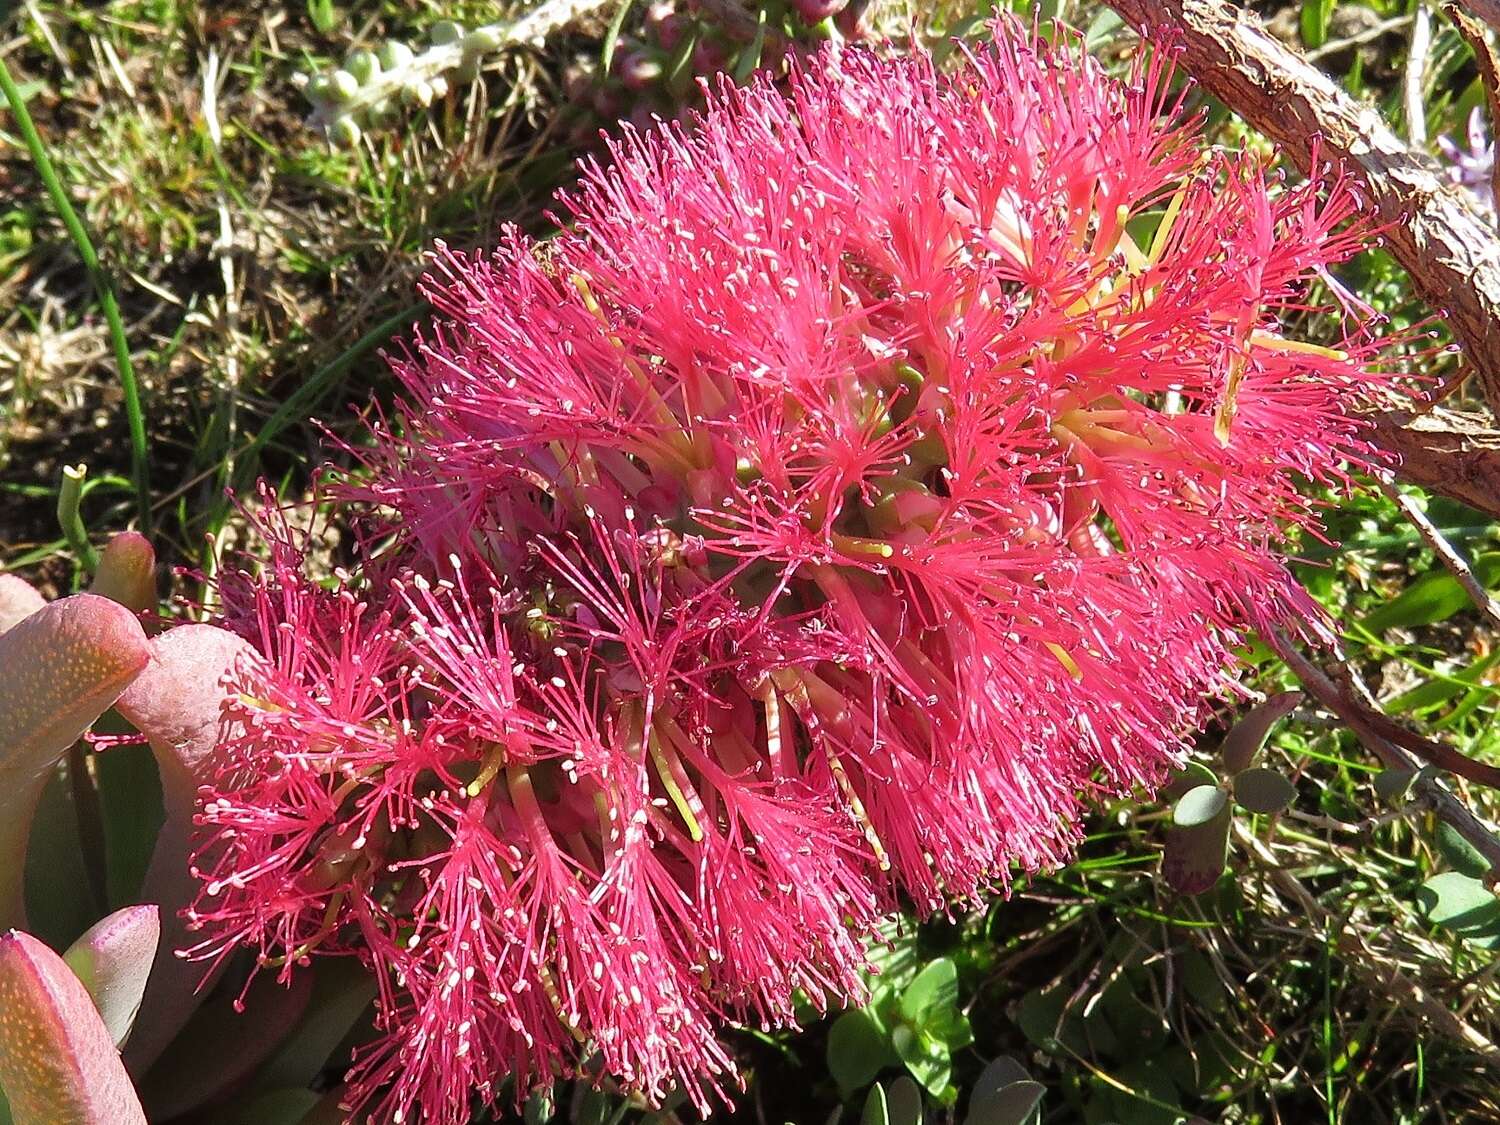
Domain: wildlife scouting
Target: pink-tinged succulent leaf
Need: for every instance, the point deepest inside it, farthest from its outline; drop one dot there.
(113, 960)
(62, 666)
(58, 1064)
(221, 1047)
(19, 599)
(178, 703)
(127, 572)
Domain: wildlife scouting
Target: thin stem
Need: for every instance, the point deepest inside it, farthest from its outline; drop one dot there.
(1445, 552)
(102, 287)
(69, 494)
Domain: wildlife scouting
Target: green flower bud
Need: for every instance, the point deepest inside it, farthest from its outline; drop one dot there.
(318, 88)
(417, 93)
(446, 32)
(344, 132)
(481, 41)
(363, 65)
(381, 112)
(394, 54)
(342, 86)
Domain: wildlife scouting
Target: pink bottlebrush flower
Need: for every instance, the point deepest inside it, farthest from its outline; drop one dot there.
(864, 482)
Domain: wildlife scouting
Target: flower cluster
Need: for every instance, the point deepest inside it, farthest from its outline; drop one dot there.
(868, 478)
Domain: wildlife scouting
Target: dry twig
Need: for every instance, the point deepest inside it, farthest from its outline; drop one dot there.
(1445, 552)
(1414, 81)
(1395, 746)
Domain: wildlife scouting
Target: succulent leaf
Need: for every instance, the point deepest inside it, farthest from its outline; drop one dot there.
(19, 599)
(127, 572)
(58, 1064)
(178, 703)
(113, 960)
(63, 665)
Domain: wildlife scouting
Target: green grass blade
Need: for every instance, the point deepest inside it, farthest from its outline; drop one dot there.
(102, 286)
(307, 396)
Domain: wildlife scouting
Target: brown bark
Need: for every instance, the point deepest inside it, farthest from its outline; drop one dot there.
(1452, 453)
(1447, 247)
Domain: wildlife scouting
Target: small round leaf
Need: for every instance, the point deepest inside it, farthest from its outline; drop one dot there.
(1464, 905)
(1263, 790)
(903, 1102)
(1244, 741)
(1461, 855)
(1199, 805)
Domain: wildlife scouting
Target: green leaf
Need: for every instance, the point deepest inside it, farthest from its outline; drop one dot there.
(1314, 21)
(1435, 596)
(1263, 790)
(64, 665)
(594, 1108)
(1012, 1104)
(1151, 1094)
(127, 572)
(1434, 693)
(322, 15)
(1199, 806)
(60, 904)
(1202, 984)
(1046, 1019)
(1393, 785)
(903, 1102)
(18, 600)
(1191, 775)
(274, 1107)
(749, 57)
(1101, 29)
(221, 1047)
(342, 993)
(876, 1112)
(936, 986)
(538, 1109)
(998, 1074)
(949, 1026)
(1464, 905)
(857, 1051)
(612, 37)
(1242, 745)
(179, 704)
(131, 804)
(928, 1060)
(1461, 855)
